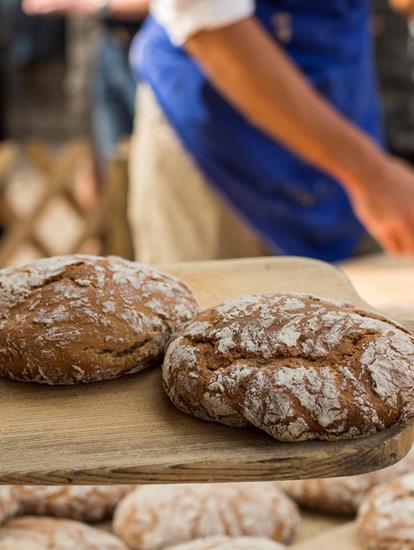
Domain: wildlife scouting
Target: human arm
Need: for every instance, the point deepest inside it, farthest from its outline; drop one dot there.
(258, 78)
(122, 9)
(406, 7)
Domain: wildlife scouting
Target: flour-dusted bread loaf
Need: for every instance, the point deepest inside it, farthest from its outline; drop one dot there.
(296, 366)
(229, 543)
(155, 516)
(81, 502)
(343, 495)
(72, 319)
(9, 505)
(34, 533)
(386, 516)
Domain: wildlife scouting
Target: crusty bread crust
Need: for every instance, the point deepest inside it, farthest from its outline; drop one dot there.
(90, 503)
(155, 516)
(74, 319)
(386, 516)
(296, 366)
(34, 533)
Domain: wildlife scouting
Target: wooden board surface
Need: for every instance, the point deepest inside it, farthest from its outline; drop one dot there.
(385, 282)
(126, 431)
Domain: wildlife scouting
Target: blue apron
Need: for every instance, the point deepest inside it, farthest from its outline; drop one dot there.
(294, 208)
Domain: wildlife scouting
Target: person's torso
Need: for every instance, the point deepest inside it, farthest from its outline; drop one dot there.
(290, 204)
(317, 33)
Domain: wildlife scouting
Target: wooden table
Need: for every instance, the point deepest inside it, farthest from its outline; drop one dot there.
(127, 431)
(386, 283)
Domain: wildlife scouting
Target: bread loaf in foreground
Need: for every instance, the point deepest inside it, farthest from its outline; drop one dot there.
(297, 366)
(34, 533)
(157, 516)
(73, 319)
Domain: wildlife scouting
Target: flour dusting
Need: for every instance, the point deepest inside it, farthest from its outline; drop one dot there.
(297, 366)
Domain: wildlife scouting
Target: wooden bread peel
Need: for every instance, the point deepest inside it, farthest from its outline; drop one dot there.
(127, 431)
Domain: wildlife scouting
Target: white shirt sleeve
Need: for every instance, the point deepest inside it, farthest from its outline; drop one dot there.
(183, 18)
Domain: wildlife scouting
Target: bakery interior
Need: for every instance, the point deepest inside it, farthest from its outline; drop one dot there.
(132, 140)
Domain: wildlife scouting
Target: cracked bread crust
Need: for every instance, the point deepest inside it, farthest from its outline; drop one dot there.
(33, 533)
(229, 543)
(386, 516)
(297, 366)
(78, 319)
(90, 503)
(157, 516)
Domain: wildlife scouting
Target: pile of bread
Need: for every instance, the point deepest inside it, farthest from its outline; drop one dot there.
(231, 516)
(296, 366)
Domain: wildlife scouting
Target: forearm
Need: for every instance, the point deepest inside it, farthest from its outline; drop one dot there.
(245, 64)
(129, 9)
(120, 9)
(406, 7)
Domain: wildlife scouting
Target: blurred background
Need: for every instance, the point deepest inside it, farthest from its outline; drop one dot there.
(65, 122)
(66, 116)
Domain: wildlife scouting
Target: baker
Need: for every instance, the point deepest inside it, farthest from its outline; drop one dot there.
(259, 132)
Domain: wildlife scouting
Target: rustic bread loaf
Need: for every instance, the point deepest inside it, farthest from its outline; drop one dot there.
(342, 495)
(33, 533)
(296, 366)
(386, 516)
(229, 543)
(74, 319)
(81, 502)
(155, 516)
(9, 505)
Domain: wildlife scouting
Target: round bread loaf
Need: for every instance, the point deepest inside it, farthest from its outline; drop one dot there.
(229, 543)
(33, 533)
(81, 502)
(343, 495)
(73, 319)
(155, 516)
(386, 516)
(296, 366)
(9, 505)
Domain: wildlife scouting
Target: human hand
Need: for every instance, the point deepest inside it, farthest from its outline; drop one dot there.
(69, 7)
(405, 7)
(384, 203)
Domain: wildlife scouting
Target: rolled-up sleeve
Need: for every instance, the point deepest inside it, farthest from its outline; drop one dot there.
(184, 18)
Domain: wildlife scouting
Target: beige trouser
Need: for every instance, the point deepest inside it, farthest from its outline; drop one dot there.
(174, 214)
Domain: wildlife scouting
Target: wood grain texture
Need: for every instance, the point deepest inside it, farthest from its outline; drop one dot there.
(127, 431)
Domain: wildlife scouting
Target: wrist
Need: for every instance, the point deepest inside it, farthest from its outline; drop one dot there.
(364, 168)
